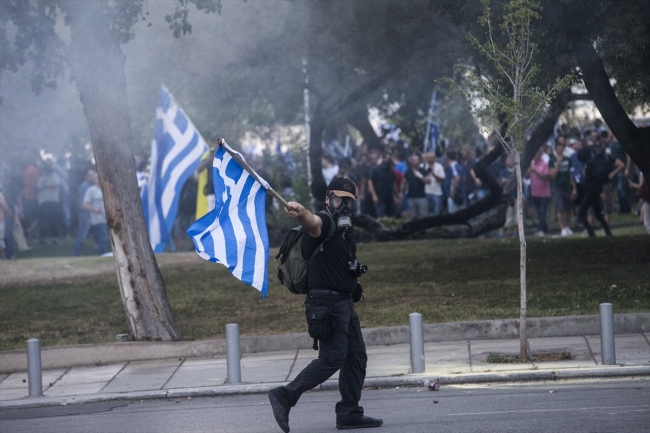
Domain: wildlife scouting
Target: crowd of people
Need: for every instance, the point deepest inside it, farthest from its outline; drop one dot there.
(37, 205)
(574, 179)
(585, 179)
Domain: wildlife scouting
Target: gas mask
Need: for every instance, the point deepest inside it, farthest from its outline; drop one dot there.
(341, 209)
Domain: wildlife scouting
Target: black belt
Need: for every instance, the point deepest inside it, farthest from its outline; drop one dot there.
(329, 294)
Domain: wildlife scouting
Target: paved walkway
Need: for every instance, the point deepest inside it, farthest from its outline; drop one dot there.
(443, 360)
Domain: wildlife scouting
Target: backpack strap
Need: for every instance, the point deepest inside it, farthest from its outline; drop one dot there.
(330, 233)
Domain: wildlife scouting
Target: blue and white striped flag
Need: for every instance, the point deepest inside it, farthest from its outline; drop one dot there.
(433, 130)
(234, 232)
(176, 152)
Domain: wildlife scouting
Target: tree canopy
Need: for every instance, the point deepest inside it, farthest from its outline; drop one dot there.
(596, 41)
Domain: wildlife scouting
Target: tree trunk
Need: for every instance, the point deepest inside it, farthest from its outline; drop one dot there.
(359, 119)
(523, 342)
(98, 65)
(486, 214)
(477, 219)
(635, 141)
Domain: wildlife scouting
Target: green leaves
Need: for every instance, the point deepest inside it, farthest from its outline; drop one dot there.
(510, 94)
(178, 21)
(28, 30)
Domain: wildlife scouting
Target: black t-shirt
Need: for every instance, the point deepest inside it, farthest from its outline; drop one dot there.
(598, 168)
(383, 178)
(329, 268)
(416, 185)
(187, 200)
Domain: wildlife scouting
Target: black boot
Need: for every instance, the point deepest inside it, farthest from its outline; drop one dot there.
(280, 410)
(363, 422)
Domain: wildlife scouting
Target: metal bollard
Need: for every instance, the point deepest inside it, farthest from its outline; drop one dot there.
(34, 372)
(417, 343)
(607, 348)
(233, 353)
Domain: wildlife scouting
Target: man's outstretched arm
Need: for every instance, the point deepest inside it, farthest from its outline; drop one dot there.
(310, 222)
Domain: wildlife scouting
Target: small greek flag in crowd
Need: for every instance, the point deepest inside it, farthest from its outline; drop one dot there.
(433, 130)
(176, 151)
(234, 232)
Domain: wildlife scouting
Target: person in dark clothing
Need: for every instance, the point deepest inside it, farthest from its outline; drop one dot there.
(186, 215)
(383, 188)
(368, 206)
(206, 164)
(600, 169)
(332, 283)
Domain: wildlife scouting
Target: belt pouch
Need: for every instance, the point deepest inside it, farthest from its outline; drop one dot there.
(319, 321)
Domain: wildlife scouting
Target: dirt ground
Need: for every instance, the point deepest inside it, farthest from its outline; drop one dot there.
(15, 273)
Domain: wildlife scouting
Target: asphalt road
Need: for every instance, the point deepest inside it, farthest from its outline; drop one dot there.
(577, 406)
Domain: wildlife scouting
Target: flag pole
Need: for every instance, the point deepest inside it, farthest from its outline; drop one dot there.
(427, 138)
(220, 141)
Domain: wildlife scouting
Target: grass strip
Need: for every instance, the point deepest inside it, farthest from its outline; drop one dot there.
(444, 280)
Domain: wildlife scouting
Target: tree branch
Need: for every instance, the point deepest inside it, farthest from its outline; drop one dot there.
(484, 215)
(635, 141)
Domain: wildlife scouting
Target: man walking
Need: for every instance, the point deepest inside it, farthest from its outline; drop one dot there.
(600, 169)
(332, 284)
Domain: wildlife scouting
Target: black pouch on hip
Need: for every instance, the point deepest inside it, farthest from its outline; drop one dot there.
(357, 295)
(319, 321)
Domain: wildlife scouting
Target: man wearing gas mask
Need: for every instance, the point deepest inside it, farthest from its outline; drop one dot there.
(333, 289)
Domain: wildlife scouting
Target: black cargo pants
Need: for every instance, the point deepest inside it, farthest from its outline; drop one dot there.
(343, 350)
(592, 200)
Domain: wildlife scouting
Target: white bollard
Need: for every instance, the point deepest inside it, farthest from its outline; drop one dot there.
(232, 353)
(34, 372)
(607, 347)
(417, 343)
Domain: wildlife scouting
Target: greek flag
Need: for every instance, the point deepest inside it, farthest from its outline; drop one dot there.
(433, 131)
(234, 232)
(176, 151)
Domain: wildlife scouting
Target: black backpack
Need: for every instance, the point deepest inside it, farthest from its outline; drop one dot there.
(292, 267)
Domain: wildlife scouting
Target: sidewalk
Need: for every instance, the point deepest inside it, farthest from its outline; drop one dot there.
(448, 362)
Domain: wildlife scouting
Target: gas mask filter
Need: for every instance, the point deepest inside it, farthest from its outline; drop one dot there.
(341, 208)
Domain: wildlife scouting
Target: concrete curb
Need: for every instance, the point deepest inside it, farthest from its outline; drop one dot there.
(12, 361)
(332, 385)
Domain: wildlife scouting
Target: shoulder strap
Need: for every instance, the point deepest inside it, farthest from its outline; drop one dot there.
(330, 233)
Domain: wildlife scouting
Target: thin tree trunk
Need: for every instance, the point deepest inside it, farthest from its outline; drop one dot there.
(523, 342)
(98, 65)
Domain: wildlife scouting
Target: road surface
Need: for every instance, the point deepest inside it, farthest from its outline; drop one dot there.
(578, 406)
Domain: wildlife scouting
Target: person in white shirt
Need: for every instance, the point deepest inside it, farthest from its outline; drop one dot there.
(94, 202)
(330, 168)
(433, 190)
